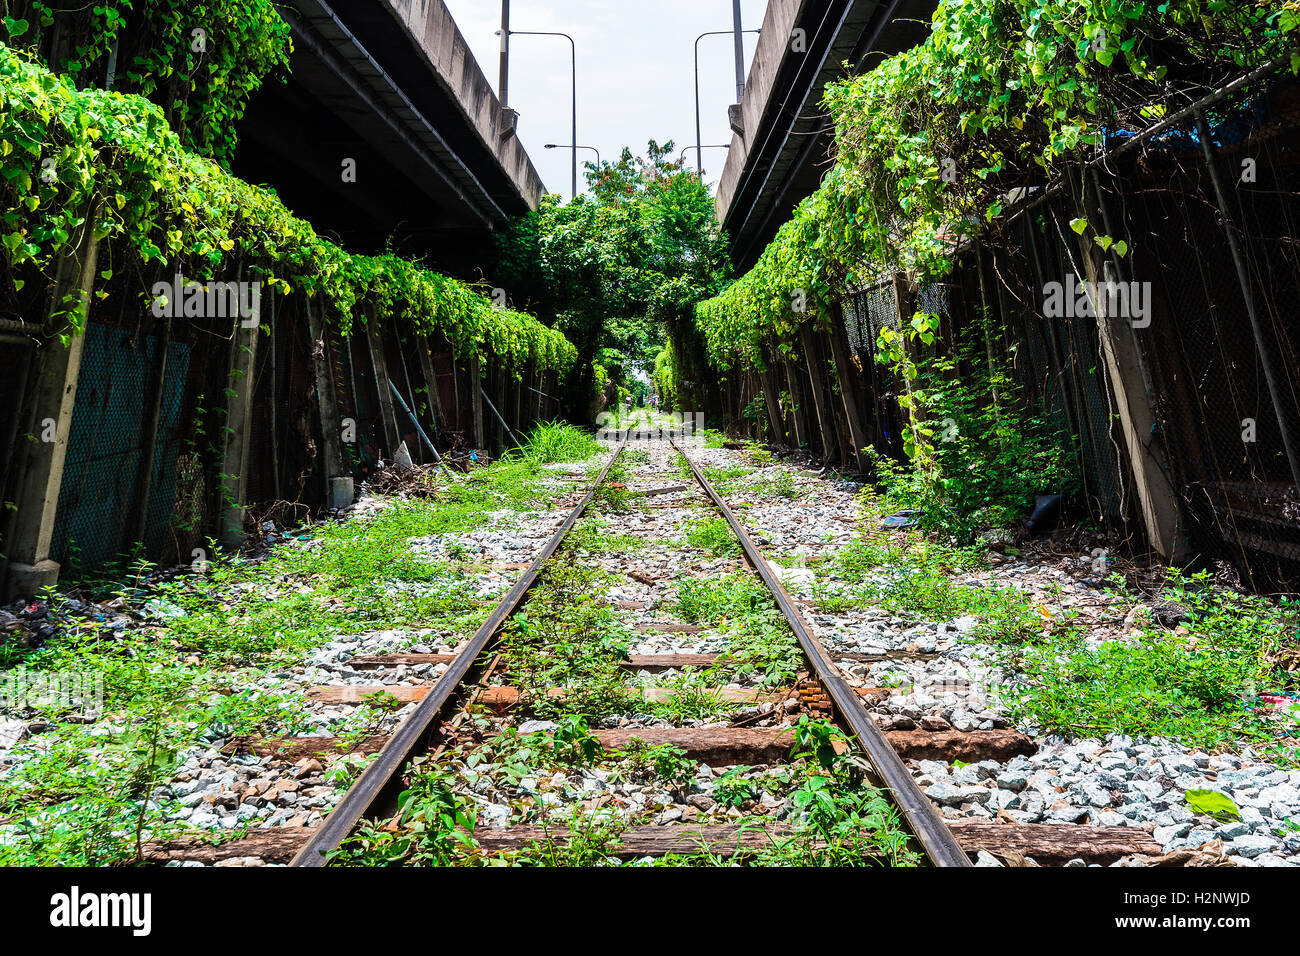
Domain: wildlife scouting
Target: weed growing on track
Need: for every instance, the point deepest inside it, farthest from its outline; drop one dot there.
(550, 442)
(838, 819)
(726, 480)
(86, 794)
(913, 580)
(1196, 684)
(568, 638)
(715, 537)
(590, 537)
(614, 495)
(760, 641)
(778, 484)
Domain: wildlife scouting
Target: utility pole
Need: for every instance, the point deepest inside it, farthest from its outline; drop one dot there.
(740, 51)
(504, 85)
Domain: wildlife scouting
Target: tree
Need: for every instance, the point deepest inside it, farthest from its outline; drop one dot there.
(609, 269)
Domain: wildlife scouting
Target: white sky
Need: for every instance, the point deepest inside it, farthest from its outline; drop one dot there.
(635, 74)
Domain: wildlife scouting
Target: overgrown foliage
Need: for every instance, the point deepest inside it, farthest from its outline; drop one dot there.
(87, 793)
(977, 456)
(608, 268)
(1002, 94)
(933, 146)
(73, 162)
(1197, 684)
(201, 62)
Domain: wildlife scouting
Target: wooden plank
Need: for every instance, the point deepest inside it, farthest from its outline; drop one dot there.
(969, 746)
(724, 745)
(1054, 845)
(670, 489)
(272, 845)
(503, 698)
(717, 746)
(343, 694)
(652, 662)
(721, 840)
(296, 748)
(663, 662)
(1044, 843)
(670, 629)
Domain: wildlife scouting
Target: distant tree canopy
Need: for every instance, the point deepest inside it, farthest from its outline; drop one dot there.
(608, 269)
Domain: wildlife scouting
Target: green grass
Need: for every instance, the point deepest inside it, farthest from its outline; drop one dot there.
(725, 479)
(565, 637)
(1197, 687)
(714, 536)
(913, 579)
(81, 801)
(760, 642)
(551, 442)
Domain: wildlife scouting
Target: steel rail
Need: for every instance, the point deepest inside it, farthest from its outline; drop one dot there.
(364, 795)
(922, 819)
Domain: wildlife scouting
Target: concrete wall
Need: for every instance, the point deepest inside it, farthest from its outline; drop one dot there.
(773, 47)
(440, 40)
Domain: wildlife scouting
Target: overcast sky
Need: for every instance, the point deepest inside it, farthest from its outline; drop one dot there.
(635, 74)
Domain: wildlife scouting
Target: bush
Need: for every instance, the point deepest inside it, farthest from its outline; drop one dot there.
(554, 441)
(976, 463)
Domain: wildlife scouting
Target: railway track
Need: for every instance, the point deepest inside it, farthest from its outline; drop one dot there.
(743, 720)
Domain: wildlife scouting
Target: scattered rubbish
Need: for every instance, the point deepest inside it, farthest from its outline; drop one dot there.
(163, 610)
(903, 519)
(402, 460)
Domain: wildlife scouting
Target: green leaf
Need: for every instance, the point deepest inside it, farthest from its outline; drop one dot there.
(1079, 225)
(1213, 803)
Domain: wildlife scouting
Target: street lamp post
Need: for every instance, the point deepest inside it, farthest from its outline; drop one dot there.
(573, 51)
(571, 146)
(699, 163)
(682, 157)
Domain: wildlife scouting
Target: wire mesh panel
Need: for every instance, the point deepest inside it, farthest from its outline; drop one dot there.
(1225, 384)
(98, 501)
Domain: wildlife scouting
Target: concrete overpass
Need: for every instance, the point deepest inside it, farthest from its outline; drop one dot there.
(392, 86)
(781, 148)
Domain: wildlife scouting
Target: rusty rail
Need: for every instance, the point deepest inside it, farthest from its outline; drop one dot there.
(383, 776)
(933, 835)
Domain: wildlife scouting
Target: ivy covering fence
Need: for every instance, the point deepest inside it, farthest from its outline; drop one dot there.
(897, 319)
(76, 159)
(1003, 94)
